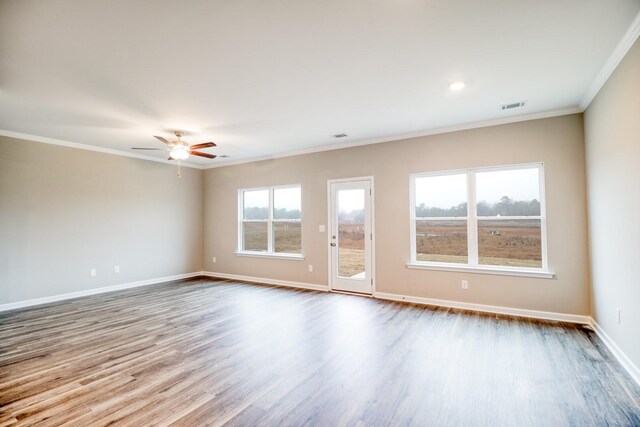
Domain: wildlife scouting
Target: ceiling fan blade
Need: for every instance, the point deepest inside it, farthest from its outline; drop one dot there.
(151, 149)
(203, 145)
(161, 139)
(208, 156)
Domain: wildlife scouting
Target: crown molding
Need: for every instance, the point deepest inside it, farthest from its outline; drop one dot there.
(402, 136)
(346, 144)
(88, 147)
(618, 54)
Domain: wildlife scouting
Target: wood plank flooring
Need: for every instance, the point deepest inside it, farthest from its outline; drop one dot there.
(219, 352)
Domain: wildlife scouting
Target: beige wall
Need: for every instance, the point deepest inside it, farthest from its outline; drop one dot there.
(64, 211)
(558, 142)
(612, 133)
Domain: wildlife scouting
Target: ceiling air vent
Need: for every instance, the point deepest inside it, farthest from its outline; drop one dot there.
(513, 105)
(340, 135)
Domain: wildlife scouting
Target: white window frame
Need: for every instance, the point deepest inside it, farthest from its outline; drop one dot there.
(270, 253)
(472, 225)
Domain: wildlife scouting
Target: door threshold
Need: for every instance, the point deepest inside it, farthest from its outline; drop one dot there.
(358, 294)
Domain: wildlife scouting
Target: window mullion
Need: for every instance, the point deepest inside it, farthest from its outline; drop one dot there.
(412, 218)
(241, 222)
(543, 216)
(472, 222)
(270, 245)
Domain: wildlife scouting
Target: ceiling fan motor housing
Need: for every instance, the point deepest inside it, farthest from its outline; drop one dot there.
(180, 150)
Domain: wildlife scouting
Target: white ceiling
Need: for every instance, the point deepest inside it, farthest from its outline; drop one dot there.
(265, 77)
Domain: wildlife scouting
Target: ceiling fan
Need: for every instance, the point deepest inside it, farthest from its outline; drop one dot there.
(180, 150)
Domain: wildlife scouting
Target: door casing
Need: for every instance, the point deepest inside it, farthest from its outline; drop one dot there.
(330, 228)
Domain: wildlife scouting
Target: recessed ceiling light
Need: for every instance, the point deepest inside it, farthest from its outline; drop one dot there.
(456, 86)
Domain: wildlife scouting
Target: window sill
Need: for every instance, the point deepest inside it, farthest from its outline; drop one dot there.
(294, 257)
(484, 270)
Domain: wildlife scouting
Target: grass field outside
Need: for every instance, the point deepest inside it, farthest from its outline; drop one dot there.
(511, 243)
(287, 237)
(351, 260)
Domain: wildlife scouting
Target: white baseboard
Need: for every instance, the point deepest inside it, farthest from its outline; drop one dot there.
(545, 315)
(624, 360)
(95, 291)
(534, 314)
(286, 283)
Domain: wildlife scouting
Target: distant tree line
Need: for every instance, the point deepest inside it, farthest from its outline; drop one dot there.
(505, 207)
(426, 211)
(508, 207)
(355, 216)
(263, 213)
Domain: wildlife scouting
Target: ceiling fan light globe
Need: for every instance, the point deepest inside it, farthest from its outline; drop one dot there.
(179, 153)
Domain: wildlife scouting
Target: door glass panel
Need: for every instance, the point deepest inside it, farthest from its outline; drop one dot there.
(351, 234)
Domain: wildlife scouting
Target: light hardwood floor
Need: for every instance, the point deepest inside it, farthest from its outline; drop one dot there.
(213, 352)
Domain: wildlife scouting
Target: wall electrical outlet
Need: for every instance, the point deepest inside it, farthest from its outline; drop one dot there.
(116, 269)
(465, 284)
(310, 268)
(213, 259)
(321, 228)
(93, 272)
(618, 314)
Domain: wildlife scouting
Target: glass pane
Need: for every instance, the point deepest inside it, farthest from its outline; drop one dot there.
(287, 203)
(508, 193)
(255, 236)
(256, 204)
(351, 256)
(288, 237)
(441, 241)
(441, 196)
(513, 243)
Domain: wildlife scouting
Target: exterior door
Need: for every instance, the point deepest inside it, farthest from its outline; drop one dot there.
(351, 235)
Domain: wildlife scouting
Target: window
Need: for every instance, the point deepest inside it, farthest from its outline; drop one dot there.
(441, 218)
(491, 218)
(270, 221)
